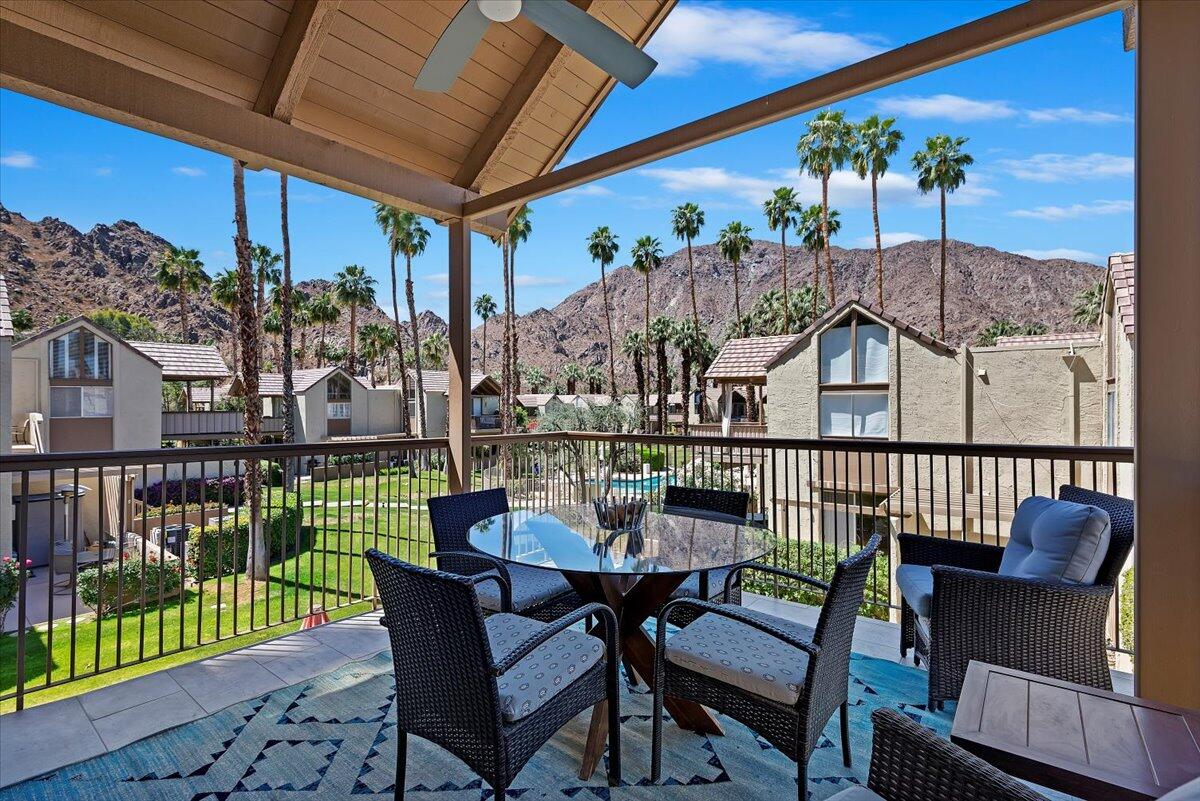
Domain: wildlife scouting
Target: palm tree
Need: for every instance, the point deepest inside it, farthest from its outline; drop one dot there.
(303, 321)
(434, 349)
(647, 256)
(352, 287)
(257, 556)
(876, 141)
(385, 338)
(410, 238)
(225, 294)
(662, 333)
(572, 373)
(267, 272)
(634, 347)
(602, 247)
(323, 310)
(594, 377)
(388, 219)
(782, 210)
(811, 229)
(734, 242)
(1087, 306)
(485, 309)
(686, 222)
(272, 323)
(180, 270)
(537, 378)
(501, 241)
(825, 147)
(287, 307)
(687, 340)
(942, 165)
(368, 347)
(518, 231)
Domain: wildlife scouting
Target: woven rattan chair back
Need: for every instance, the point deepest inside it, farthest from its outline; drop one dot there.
(829, 676)
(451, 517)
(1120, 513)
(445, 691)
(694, 500)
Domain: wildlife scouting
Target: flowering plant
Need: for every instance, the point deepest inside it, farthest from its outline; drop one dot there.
(10, 583)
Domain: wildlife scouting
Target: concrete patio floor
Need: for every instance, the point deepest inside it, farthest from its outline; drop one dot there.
(47, 737)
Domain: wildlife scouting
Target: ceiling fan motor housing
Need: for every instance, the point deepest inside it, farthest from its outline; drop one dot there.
(499, 10)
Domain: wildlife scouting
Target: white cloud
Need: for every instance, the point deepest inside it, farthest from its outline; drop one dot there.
(440, 278)
(1058, 213)
(1049, 168)
(190, 172)
(769, 43)
(889, 239)
(1073, 114)
(1063, 253)
(19, 160)
(538, 280)
(569, 197)
(102, 172)
(438, 294)
(944, 106)
(713, 181)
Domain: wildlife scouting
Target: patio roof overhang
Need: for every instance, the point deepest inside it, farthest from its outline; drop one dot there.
(288, 102)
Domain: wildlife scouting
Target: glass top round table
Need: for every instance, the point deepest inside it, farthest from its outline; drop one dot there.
(570, 538)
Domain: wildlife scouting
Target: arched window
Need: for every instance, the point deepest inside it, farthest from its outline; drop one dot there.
(854, 379)
(337, 395)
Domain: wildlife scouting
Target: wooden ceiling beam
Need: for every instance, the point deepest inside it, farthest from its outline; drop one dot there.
(295, 56)
(62, 73)
(548, 52)
(975, 38)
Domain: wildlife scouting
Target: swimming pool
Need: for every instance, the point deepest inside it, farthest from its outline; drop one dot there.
(646, 484)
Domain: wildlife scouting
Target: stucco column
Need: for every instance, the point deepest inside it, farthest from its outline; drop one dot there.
(726, 408)
(458, 409)
(1167, 443)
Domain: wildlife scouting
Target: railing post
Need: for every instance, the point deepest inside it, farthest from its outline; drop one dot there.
(458, 469)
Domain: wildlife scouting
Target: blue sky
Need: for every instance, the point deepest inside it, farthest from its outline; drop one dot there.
(1049, 123)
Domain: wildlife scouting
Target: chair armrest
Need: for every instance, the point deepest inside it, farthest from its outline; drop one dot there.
(775, 571)
(612, 649)
(479, 556)
(919, 549)
(501, 576)
(733, 613)
(911, 763)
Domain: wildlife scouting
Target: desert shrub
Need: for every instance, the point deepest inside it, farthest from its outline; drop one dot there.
(819, 562)
(98, 588)
(281, 528)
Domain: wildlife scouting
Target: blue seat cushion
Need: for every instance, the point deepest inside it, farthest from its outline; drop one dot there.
(916, 585)
(531, 586)
(1057, 540)
(690, 588)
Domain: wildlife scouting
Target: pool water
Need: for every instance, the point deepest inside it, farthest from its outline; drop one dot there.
(647, 484)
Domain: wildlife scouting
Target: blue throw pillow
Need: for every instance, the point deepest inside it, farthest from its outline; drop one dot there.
(1058, 540)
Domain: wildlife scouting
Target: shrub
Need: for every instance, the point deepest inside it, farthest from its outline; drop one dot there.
(10, 582)
(101, 593)
(819, 562)
(657, 459)
(349, 458)
(225, 491)
(235, 537)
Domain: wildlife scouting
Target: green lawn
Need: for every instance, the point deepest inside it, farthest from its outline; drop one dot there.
(341, 519)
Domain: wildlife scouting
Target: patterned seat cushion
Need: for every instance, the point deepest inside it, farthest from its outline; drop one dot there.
(546, 671)
(531, 586)
(690, 588)
(737, 654)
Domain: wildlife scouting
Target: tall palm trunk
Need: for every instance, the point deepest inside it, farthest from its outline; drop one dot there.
(514, 384)
(787, 327)
(412, 317)
(645, 396)
(303, 345)
(506, 346)
(825, 236)
(639, 374)
(257, 557)
(737, 297)
(612, 349)
(878, 238)
(405, 422)
(751, 403)
(660, 349)
(692, 284)
(285, 300)
(942, 275)
(183, 319)
(321, 355)
(260, 312)
(352, 356)
(686, 374)
(816, 293)
(234, 334)
(483, 354)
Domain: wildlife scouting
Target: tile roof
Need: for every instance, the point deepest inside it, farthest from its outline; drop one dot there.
(591, 400)
(438, 381)
(271, 384)
(747, 358)
(1121, 267)
(856, 301)
(185, 362)
(1077, 338)
(6, 327)
(535, 400)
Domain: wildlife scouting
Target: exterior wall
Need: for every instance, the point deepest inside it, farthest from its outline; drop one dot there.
(383, 411)
(925, 394)
(310, 406)
(435, 414)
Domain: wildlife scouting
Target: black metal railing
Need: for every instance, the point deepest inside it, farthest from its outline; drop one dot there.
(125, 557)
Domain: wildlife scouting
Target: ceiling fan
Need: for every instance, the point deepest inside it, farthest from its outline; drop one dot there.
(567, 23)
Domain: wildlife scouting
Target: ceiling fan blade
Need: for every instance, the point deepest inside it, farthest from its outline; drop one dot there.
(453, 49)
(590, 38)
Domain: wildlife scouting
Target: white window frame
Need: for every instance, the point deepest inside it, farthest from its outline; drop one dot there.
(853, 388)
(80, 392)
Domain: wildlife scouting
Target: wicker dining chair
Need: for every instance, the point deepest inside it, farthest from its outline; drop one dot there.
(1037, 625)
(911, 763)
(781, 678)
(707, 585)
(538, 593)
(493, 690)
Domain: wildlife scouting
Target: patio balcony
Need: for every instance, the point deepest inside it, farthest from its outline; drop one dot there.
(204, 425)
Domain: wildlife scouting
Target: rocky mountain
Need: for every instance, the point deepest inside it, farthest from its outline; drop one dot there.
(54, 269)
(982, 284)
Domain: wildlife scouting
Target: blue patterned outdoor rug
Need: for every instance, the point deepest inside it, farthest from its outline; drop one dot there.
(333, 737)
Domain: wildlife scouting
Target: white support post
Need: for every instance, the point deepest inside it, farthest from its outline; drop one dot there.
(726, 408)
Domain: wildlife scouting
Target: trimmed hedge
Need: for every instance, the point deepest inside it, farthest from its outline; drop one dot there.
(126, 576)
(819, 562)
(281, 532)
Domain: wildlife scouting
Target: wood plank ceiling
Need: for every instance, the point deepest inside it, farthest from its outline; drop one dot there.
(344, 70)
